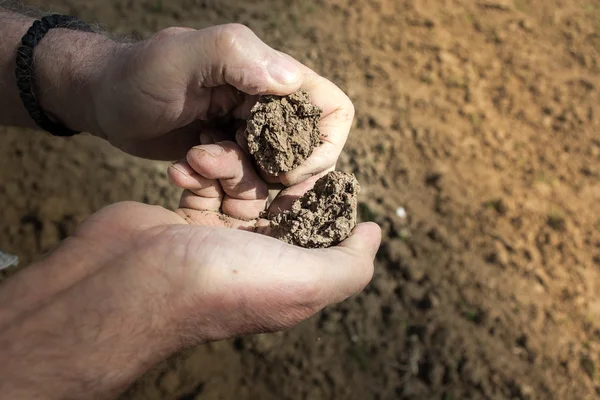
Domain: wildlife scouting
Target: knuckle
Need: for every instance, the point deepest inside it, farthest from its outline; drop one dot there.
(230, 34)
(154, 52)
(162, 46)
(253, 188)
(230, 39)
(169, 32)
(237, 48)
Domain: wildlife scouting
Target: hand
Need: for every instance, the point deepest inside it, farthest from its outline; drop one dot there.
(219, 177)
(152, 96)
(136, 283)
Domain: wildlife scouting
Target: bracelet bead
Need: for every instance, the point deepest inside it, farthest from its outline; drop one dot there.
(25, 72)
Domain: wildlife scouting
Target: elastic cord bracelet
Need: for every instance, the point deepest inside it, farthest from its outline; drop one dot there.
(24, 70)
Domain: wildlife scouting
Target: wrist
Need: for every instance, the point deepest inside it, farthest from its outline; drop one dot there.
(69, 66)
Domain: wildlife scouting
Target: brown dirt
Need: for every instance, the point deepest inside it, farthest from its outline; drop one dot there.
(479, 118)
(282, 132)
(323, 216)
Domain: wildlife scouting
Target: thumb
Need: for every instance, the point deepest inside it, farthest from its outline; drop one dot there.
(350, 265)
(232, 54)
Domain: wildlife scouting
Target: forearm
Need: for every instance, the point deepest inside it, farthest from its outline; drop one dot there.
(67, 66)
(12, 28)
(91, 340)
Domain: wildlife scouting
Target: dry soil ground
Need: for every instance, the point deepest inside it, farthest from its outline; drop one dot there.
(480, 118)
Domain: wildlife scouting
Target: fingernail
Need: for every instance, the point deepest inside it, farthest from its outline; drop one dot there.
(210, 149)
(283, 71)
(176, 168)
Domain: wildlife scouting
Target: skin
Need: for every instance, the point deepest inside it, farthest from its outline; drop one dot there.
(136, 283)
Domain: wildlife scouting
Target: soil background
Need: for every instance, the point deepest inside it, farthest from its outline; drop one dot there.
(479, 118)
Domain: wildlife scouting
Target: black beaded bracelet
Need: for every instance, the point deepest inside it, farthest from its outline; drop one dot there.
(24, 70)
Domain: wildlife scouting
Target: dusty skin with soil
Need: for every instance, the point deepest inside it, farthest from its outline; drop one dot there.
(323, 216)
(282, 132)
(479, 118)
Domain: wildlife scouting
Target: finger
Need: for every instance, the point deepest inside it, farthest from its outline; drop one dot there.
(200, 193)
(232, 54)
(246, 192)
(262, 298)
(334, 127)
(194, 202)
(365, 238)
(347, 268)
(182, 175)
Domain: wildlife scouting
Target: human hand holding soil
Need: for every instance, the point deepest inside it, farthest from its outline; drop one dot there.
(220, 178)
(136, 283)
(157, 97)
(153, 98)
(181, 77)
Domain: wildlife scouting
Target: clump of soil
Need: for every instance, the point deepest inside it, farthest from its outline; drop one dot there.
(323, 216)
(282, 132)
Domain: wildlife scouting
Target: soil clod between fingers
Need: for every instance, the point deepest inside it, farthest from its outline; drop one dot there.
(282, 132)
